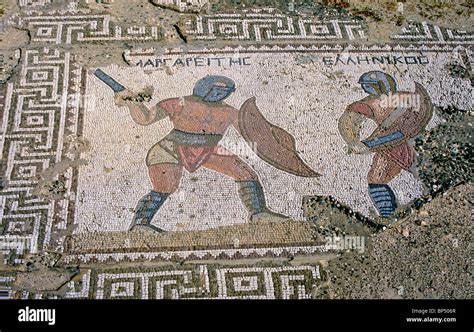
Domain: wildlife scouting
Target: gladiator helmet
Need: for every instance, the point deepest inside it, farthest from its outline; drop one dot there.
(378, 83)
(213, 88)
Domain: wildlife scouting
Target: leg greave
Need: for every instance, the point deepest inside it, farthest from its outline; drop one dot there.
(383, 198)
(147, 208)
(252, 196)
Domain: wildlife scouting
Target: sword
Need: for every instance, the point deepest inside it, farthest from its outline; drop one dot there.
(384, 139)
(113, 84)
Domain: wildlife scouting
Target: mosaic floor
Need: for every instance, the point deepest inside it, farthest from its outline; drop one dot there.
(253, 139)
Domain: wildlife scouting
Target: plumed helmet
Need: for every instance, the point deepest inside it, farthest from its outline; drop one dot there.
(378, 83)
(213, 88)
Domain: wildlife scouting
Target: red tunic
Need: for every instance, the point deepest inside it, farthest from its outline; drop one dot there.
(402, 154)
(192, 115)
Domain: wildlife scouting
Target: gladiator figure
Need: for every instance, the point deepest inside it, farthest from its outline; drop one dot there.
(400, 116)
(200, 121)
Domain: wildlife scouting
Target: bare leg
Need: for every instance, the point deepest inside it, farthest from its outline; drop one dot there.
(165, 177)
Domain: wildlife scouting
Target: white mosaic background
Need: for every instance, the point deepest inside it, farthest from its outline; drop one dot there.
(306, 98)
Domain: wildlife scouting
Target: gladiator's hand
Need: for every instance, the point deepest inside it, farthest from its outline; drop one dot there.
(124, 97)
(127, 97)
(357, 148)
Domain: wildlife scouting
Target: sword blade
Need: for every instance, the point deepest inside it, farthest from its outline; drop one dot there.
(113, 84)
(384, 139)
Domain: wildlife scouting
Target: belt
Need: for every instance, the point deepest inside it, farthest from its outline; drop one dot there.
(182, 137)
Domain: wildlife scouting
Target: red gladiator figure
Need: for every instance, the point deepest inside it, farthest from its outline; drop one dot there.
(400, 116)
(200, 121)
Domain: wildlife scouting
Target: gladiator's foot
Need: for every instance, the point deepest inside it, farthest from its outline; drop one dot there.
(268, 215)
(146, 210)
(145, 226)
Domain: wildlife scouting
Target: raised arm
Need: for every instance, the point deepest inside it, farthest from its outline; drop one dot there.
(144, 116)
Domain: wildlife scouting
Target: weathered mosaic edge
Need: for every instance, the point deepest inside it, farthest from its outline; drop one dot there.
(203, 281)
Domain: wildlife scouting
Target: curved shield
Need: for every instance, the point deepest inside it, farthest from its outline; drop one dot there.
(410, 122)
(273, 144)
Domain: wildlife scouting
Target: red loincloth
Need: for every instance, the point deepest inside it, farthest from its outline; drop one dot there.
(192, 156)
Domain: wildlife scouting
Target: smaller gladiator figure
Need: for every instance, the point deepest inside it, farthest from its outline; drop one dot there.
(400, 116)
(200, 121)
